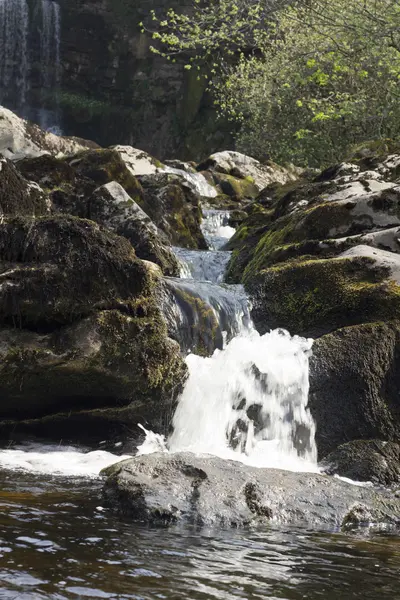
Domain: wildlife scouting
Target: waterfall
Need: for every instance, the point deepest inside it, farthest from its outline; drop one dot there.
(248, 401)
(14, 55)
(50, 62)
(31, 37)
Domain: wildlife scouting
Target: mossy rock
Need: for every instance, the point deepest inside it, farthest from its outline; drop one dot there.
(57, 269)
(100, 364)
(68, 191)
(175, 209)
(236, 187)
(354, 383)
(314, 297)
(18, 196)
(106, 165)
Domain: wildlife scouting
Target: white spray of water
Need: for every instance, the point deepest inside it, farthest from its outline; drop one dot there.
(196, 181)
(216, 229)
(56, 460)
(248, 402)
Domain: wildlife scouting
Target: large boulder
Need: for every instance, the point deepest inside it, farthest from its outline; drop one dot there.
(366, 460)
(18, 195)
(354, 382)
(315, 296)
(57, 269)
(20, 139)
(205, 491)
(103, 166)
(174, 208)
(110, 205)
(244, 167)
(90, 336)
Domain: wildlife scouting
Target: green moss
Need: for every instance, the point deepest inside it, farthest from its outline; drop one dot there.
(236, 188)
(103, 166)
(312, 297)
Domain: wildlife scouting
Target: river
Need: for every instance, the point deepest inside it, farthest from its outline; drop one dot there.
(57, 543)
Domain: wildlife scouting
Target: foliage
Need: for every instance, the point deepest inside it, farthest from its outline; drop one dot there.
(304, 81)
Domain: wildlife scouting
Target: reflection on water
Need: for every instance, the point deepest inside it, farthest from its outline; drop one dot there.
(57, 542)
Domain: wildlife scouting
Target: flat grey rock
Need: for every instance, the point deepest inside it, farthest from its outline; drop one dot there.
(205, 490)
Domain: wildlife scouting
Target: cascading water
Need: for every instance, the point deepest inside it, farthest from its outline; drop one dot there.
(50, 62)
(14, 55)
(248, 401)
(30, 66)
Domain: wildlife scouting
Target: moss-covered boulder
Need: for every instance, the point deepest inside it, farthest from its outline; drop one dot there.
(174, 208)
(366, 460)
(68, 191)
(110, 369)
(18, 195)
(245, 167)
(82, 339)
(110, 205)
(354, 383)
(237, 188)
(313, 297)
(105, 165)
(57, 269)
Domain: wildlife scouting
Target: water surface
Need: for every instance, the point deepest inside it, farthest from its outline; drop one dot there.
(58, 542)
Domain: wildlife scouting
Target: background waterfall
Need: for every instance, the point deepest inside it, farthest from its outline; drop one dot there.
(14, 56)
(30, 66)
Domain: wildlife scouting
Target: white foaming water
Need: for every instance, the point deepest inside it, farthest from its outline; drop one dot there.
(248, 402)
(196, 181)
(215, 228)
(57, 460)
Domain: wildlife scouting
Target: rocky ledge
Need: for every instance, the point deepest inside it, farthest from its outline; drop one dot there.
(206, 490)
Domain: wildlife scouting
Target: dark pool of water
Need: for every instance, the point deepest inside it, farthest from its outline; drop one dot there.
(56, 542)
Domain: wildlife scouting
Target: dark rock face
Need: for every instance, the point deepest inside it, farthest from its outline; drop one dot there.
(19, 196)
(165, 489)
(366, 460)
(115, 88)
(354, 381)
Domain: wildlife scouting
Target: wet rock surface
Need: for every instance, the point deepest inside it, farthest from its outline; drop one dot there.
(354, 382)
(366, 460)
(204, 490)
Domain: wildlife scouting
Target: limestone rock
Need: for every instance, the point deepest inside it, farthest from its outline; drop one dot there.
(207, 491)
(241, 166)
(92, 379)
(174, 208)
(20, 139)
(315, 296)
(111, 206)
(57, 269)
(82, 340)
(137, 161)
(103, 166)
